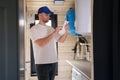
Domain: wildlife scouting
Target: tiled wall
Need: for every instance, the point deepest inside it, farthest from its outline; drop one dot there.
(34, 5)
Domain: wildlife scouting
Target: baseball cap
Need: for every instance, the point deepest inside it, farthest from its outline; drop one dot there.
(45, 9)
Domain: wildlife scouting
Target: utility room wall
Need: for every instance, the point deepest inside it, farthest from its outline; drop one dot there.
(34, 5)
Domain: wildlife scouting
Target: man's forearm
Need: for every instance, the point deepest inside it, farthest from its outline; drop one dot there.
(44, 41)
(62, 38)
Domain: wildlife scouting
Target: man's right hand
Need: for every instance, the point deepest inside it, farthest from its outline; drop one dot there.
(57, 29)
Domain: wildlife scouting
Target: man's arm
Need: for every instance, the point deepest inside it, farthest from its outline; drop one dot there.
(45, 40)
(64, 36)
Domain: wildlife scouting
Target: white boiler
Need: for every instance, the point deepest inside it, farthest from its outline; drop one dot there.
(83, 16)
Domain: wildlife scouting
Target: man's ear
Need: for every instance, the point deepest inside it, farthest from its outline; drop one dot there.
(39, 15)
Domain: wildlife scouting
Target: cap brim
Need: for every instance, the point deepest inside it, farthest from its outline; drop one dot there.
(49, 12)
(45, 10)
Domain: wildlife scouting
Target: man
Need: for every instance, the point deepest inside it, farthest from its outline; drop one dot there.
(44, 40)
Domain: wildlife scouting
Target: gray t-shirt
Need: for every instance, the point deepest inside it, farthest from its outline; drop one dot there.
(47, 53)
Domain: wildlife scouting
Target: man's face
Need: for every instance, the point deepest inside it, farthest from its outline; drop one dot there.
(44, 17)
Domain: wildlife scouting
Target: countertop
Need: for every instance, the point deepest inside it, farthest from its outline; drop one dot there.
(82, 66)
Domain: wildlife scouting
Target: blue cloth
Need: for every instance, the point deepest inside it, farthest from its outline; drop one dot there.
(70, 17)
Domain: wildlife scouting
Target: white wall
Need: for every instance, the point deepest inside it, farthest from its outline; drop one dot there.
(83, 16)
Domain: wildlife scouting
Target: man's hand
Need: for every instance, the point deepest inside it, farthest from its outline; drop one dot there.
(57, 29)
(66, 26)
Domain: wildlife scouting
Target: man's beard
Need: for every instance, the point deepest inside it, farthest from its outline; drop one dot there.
(46, 21)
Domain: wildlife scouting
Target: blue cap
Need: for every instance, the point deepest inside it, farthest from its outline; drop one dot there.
(45, 9)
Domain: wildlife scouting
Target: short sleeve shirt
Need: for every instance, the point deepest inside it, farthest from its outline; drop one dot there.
(47, 53)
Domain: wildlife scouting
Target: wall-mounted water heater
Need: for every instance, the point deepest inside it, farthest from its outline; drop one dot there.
(83, 16)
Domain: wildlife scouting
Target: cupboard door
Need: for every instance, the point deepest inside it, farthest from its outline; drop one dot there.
(76, 75)
(8, 40)
(84, 78)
